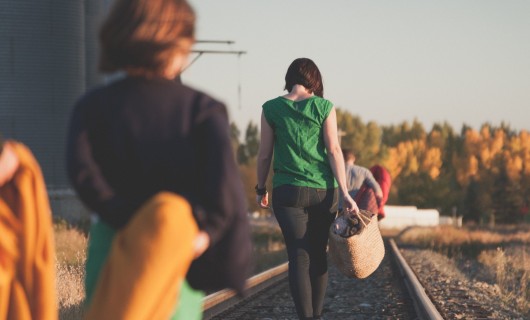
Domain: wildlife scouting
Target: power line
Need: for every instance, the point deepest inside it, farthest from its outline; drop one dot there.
(215, 41)
(219, 51)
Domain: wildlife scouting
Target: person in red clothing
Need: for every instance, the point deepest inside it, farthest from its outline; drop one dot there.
(382, 176)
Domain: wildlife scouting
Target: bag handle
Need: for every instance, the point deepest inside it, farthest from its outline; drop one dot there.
(361, 215)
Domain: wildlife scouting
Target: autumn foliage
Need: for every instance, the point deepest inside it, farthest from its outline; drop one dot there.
(482, 174)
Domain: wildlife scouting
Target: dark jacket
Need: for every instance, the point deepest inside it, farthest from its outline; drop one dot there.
(135, 137)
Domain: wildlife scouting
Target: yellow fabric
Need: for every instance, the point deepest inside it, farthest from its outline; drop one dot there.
(147, 263)
(27, 252)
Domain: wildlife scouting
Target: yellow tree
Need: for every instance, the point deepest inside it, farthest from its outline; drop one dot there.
(413, 157)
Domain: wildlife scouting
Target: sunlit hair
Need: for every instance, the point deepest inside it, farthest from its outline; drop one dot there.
(143, 36)
(304, 71)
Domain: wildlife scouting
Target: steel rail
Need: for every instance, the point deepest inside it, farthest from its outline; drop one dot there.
(422, 303)
(220, 301)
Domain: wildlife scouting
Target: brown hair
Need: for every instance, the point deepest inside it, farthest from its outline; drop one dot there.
(348, 154)
(144, 35)
(304, 71)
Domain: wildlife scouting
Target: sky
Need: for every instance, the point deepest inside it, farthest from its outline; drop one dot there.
(456, 61)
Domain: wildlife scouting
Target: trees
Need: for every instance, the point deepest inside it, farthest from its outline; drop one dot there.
(485, 172)
(492, 167)
(234, 138)
(248, 150)
(363, 139)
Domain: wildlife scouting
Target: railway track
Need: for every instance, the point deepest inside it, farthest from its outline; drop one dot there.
(392, 292)
(455, 294)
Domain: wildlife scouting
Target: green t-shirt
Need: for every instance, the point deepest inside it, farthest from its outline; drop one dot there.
(300, 156)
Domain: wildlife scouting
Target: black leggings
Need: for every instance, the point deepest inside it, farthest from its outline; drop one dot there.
(305, 216)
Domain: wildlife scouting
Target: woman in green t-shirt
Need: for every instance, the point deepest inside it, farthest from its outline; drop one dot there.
(301, 128)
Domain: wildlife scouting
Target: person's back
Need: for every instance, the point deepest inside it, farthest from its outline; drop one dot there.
(300, 157)
(357, 176)
(149, 135)
(301, 128)
(362, 186)
(152, 159)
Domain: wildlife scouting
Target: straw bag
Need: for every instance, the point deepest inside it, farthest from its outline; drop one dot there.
(358, 255)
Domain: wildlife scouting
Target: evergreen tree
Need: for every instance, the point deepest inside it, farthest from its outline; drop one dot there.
(234, 137)
(478, 202)
(506, 195)
(248, 150)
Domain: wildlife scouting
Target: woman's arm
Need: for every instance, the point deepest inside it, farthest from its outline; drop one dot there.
(336, 159)
(264, 159)
(86, 177)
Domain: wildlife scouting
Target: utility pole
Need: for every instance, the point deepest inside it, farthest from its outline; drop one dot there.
(340, 134)
(201, 52)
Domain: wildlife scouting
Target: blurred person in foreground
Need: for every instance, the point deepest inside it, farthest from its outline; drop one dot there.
(152, 158)
(301, 128)
(362, 186)
(382, 176)
(27, 251)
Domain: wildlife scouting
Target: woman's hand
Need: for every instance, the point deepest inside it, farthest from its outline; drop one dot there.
(263, 200)
(8, 164)
(349, 204)
(201, 243)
